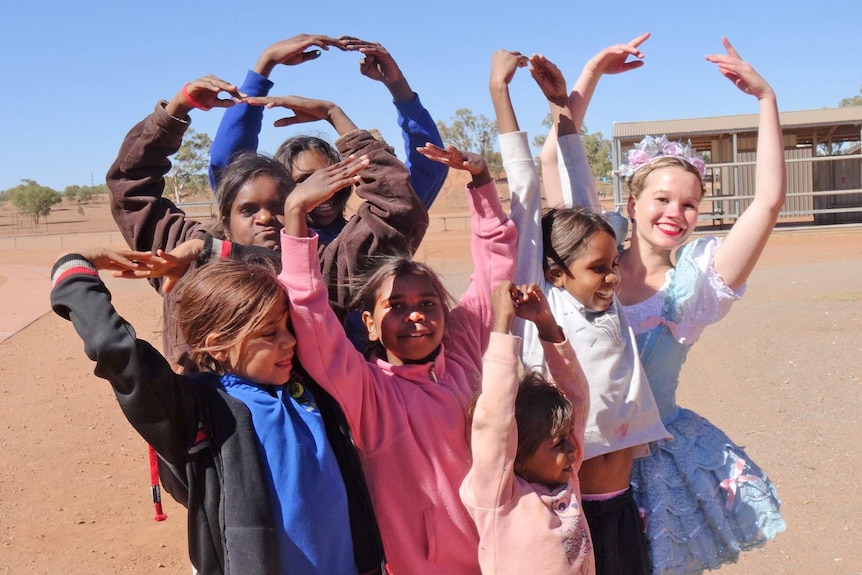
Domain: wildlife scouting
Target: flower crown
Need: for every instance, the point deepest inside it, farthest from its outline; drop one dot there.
(651, 148)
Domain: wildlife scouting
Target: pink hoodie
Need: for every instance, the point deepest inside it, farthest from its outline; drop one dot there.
(409, 421)
(525, 527)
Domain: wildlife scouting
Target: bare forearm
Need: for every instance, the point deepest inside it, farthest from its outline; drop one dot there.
(400, 90)
(340, 121)
(506, 120)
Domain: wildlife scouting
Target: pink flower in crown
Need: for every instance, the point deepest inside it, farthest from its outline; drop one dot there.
(699, 164)
(674, 149)
(637, 158)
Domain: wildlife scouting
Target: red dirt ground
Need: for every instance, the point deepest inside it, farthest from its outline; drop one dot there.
(782, 375)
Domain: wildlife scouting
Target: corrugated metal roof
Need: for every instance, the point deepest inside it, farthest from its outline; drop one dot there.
(737, 123)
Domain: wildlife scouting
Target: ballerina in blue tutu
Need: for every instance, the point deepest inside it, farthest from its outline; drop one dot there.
(704, 499)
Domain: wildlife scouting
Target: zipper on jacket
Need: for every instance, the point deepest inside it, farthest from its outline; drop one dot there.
(432, 374)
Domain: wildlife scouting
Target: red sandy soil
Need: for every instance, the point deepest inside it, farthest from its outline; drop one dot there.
(782, 375)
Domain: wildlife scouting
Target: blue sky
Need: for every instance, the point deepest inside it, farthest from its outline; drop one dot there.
(77, 76)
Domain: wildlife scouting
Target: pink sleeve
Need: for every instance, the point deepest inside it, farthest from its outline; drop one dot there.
(493, 245)
(494, 436)
(322, 346)
(565, 370)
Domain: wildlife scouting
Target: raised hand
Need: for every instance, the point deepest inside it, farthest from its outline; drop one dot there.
(504, 63)
(550, 79)
(323, 184)
(121, 260)
(503, 303)
(455, 158)
(378, 64)
(614, 59)
(531, 305)
(305, 110)
(203, 94)
(171, 266)
(293, 51)
(740, 72)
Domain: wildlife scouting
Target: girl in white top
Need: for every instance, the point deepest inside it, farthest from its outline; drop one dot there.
(572, 256)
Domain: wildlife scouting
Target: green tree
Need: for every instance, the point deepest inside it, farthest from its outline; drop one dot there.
(852, 101)
(83, 195)
(837, 148)
(466, 131)
(34, 200)
(598, 149)
(189, 164)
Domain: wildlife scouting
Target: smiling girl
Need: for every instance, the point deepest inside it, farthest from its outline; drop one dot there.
(571, 253)
(262, 485)
(528, 444)
(407, 403)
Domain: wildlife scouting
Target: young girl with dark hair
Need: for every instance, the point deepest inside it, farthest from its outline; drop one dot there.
(527, 440)
(407, 401)
(263, 488)
(572, 255)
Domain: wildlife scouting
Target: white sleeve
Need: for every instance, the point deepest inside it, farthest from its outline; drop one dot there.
(526, 208)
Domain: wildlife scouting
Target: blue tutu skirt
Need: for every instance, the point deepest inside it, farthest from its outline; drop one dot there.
(705, 500)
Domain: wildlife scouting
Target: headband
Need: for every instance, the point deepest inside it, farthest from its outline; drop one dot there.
(651, 148)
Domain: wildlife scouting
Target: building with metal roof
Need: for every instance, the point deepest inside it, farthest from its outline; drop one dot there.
(825, 188)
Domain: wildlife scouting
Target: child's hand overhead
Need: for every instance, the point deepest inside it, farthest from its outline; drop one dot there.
(550, 79)
(455, 158)
(377, 63)
(203, 94)
(294, 51)
(740, 72)
(306, 110)
(317, 188)
(613, 59)
(503, 303)
(504, 63)
(531, 305)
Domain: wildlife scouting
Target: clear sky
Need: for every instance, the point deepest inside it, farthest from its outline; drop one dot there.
(78, 75)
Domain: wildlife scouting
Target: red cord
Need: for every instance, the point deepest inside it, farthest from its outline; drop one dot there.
(154, 481)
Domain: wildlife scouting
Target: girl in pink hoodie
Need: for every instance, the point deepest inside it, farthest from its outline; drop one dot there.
(407, 403)
(528, 444)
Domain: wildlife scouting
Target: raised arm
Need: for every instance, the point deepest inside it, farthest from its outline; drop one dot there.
(563, 365)
(136, 179)
(155, 400)
(524, 187)
(417, 126)
(494, 432)
(559, 189)
(240, 126)
(306, 110)
(737, 255)
(492, 245)
(390, 218)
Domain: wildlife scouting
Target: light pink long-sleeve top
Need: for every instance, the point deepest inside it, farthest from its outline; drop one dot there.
(409, 421)
(525, 527)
